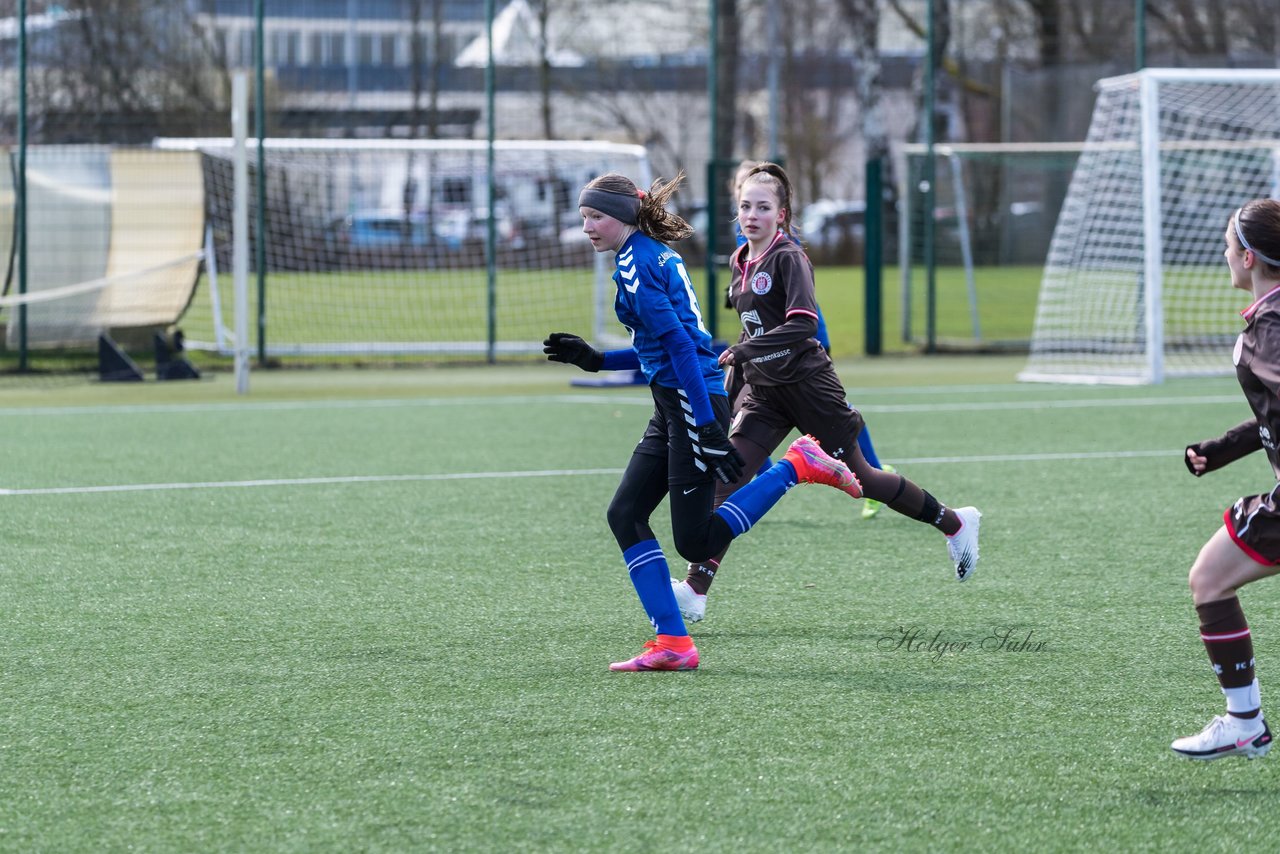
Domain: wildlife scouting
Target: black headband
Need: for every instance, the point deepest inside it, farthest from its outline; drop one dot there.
(621, 206)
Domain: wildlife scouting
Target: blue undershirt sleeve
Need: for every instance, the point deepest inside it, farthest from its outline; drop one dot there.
(621, 360)
(684, 359)
(823, 338)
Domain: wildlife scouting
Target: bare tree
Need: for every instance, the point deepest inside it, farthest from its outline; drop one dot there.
(1257, 27)
(724, 113)
(125, 71)
(863, 18)
(437, 67)
(417, 67)
(1191, 30)
(542, 8)
(816, 120)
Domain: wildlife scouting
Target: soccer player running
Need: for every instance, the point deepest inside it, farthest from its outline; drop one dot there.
(790, 381)
(691, 592)
(685, 449)
(870, 507)
(1247, 546)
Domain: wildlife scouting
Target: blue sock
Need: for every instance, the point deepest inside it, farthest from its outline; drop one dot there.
(764, 467)
(868, 452)
(745, 507)
(652, 579)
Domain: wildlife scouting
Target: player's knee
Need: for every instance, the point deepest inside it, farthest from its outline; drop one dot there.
(621, 516)
(1205, 584)
(693, 545)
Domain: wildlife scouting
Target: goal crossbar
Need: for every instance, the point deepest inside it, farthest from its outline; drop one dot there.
(390, 247)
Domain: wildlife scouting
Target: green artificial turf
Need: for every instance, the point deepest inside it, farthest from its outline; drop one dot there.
(450, 306)
(374, 611)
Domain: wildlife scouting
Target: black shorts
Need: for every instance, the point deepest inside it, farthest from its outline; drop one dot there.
(1254, 523)
(668, 433)
(815, 405)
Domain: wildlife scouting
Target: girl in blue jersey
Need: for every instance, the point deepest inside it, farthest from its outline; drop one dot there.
(685, 449)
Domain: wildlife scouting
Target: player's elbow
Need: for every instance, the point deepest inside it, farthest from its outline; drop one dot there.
(804, 322)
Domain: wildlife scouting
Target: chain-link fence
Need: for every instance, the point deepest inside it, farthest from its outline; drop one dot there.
(120, 74)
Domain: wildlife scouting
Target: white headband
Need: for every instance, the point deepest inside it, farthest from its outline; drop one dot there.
(1244, 244)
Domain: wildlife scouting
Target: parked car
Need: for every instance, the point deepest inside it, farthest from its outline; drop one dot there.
(834, 231)
(373, 229)
(467, 227)
(453, 229)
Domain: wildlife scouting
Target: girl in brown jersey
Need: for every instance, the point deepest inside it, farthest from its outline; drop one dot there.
(1247, 547)
(791, 383)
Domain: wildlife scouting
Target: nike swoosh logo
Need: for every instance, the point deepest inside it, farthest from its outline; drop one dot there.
(1241, 742)
(687, 491)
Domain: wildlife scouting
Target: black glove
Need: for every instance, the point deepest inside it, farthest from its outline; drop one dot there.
(714, 450)
(563, 347)
(1186, 459)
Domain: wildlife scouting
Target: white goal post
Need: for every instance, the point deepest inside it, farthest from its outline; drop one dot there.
(1135, 289)
(377, 249)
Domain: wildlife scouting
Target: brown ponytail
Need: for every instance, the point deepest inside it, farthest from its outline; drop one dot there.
(653, 218)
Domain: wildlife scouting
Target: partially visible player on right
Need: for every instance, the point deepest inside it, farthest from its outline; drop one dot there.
(1247, 547)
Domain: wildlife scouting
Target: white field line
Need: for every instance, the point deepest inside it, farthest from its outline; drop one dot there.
(571, 399)
(302, 481)
(598, 399)
(509, 475)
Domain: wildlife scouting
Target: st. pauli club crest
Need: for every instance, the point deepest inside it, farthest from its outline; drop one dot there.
(761, 283)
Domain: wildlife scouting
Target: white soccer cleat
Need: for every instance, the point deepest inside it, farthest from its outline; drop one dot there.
(1227, 736)
(963, 544)
(693, 606)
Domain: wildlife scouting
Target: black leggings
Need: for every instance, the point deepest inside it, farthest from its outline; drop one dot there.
(699, 533)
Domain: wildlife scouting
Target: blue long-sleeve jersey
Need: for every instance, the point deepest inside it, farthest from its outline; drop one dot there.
(654, 299)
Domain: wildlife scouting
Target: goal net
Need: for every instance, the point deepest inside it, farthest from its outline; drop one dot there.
(379, 249)
(994, 208)
(1135, 288)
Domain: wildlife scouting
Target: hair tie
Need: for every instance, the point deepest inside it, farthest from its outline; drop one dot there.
(640, 193)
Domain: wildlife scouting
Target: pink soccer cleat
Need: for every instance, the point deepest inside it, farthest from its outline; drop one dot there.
(814, 465)
(657, 657)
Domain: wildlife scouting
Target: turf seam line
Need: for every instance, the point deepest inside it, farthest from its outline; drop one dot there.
(424, 478)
